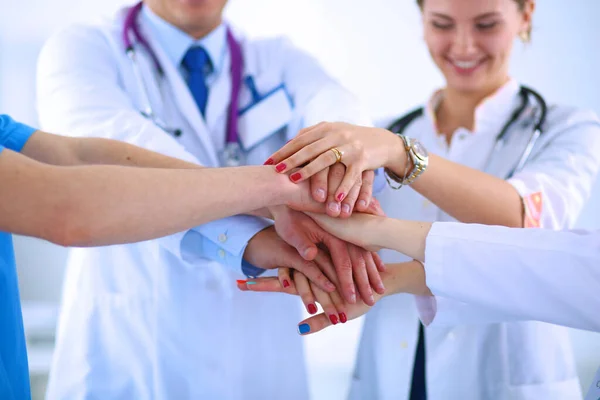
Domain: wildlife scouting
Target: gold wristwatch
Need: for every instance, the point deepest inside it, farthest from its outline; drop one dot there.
(419, 157)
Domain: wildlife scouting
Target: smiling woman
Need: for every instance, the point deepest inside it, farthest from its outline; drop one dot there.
(472, 47)
(446, 153)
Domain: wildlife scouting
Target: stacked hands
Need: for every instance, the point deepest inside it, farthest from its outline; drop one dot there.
(316, 242)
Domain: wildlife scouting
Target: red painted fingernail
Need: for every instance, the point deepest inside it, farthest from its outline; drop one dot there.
(343, 318)
(295, 176)
(333, 318)
(312, 309)
(241, 281)
(269, 162)
(280, 167)
(286, 283)
(341, 196)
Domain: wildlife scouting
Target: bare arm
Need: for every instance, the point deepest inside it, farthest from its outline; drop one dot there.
(466, 194)
(469, 195)
(100, 205)
(376, 232)
(69, 151)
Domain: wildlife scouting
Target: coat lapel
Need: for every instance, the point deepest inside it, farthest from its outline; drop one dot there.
(185, 103)
(506, 157)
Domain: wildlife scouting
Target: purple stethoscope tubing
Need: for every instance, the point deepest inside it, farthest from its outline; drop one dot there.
(130, 27)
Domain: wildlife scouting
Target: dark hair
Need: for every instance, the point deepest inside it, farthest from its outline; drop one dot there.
(520, 3)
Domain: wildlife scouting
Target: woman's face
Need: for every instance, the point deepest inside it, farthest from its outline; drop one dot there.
(471, 40)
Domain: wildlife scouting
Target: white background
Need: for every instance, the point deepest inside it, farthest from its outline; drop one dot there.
(374, 47)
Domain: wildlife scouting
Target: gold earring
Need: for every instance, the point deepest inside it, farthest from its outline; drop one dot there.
(524, 36)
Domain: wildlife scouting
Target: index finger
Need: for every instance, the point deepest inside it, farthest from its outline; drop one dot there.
(312, 272)
(340, 256)
(303, 139)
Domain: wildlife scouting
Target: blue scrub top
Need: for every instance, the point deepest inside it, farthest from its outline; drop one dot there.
(14, 373)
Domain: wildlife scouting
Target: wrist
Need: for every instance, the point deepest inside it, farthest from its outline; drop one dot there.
(397, 156)
(382, 232)
(277, 210)
(407, 277)
(406, 237)
(280, 190)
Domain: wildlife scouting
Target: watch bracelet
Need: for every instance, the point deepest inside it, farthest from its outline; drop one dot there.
(391, 175)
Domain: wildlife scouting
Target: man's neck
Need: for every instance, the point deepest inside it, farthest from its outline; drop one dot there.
(198, 32)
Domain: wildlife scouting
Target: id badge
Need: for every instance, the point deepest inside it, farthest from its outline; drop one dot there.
(266, 117)
(232, 155)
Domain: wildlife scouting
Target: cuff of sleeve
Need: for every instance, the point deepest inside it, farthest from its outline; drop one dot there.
(519, 186)
(427, 308)
(439, 311)
(16, 135)
(435, 311)
(434, 256)
(448, 312)
(194, 246)
(228, 238)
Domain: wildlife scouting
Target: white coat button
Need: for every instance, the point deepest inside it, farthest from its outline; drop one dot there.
(221, 253)
(222, 238)
(404, 345)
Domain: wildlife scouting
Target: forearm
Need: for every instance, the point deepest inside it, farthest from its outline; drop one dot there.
(154, 203)
(99, 205)
(70, 151)
(406, 237)
(407, 277)
(470, 195)
(467, 194)
(376, 232)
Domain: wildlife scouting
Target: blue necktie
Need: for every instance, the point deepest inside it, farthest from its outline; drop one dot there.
(198, 65)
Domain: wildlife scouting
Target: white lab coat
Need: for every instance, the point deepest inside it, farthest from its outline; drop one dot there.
(504, 274)
(475, 359)
(137, 321)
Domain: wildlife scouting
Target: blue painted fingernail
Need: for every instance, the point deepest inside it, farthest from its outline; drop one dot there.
(303, 329)
(250, 283)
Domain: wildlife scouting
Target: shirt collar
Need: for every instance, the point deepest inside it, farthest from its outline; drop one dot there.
(491, 113)
(176, 43)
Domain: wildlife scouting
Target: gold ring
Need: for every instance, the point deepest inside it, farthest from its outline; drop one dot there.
(338, 154)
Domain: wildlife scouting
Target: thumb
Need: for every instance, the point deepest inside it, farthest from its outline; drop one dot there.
(300, 240)
(375, 208)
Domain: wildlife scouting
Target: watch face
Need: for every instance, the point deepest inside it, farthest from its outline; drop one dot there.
(419, 149)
